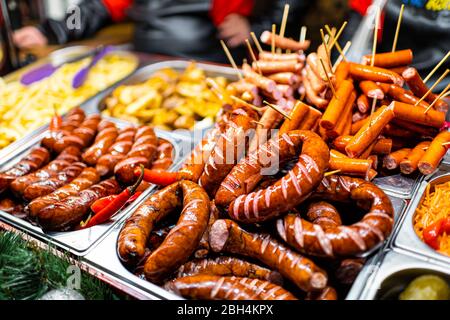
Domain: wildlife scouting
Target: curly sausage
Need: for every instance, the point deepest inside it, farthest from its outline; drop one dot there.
(286, 193)
(227, 236)
(182, 240)
(373, 229)
(324, 214)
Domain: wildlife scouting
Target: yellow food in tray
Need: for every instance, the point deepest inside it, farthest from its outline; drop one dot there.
(168, 99)
(25, 108)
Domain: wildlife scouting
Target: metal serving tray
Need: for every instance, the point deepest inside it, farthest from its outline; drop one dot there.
(104, 257)
(76, 242)
(399, 185)
(372, 264)
(142, 74)
(406, 237)
(396, 271)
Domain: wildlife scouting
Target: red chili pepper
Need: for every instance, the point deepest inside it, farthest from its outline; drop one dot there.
(102, 203)
(159, 177)
(56, 121)
(134, 197)
(431, 234)
(118, 203)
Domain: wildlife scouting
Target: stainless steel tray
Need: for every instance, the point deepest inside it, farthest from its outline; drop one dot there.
(395, 272)
(406, 237)
(76, 242)
(142, 74)
(399, 185)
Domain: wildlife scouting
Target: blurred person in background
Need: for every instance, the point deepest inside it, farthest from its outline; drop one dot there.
(184, 28)
(425, 29)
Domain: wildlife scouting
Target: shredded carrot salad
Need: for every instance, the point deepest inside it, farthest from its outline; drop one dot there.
(434, 206)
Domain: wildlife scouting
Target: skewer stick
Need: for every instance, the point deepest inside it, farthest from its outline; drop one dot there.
(342, 55)
(328, 79)
(397, 30)
(374, 102)
(324, 43)
(446, 143)
(277, 109)
(432, 87)
(230, 57)
(330, 173)
(284, 22)
(253, 55)
(338, 46)
(435, 68)
(255, 40)
(335, 38)
(438, 98)
(303, 30)
(239, 100)
(274, 30)
(375, 36)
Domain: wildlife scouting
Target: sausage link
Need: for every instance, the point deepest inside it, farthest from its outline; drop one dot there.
(363, 103)
(373, 229)
(208, 287)
(227, 236)
(382, 145)
(349, 166)
(228, 150)
(42, 188)
(203, 248)
(136, 230)
(297, 115)
(182, 240)
(116, 152)
(341, 73)
(390, 59)
(311, 95)
(71, 210)
(348, 270)
(371, 89)
(269, 56)
(64, 159)
(87, 178)
(310, 120)
(435, 152)
(81, 137)
(284, 43)
(337, 105)
(270, 119)
(418, 115)
(399, 94)
(142, 152)
(409, 164)
(260, 81)
(392, 160)
(376, 74)
(419, 88)
(271, 67)
(12, 207)
(37, 158)
(317, 84)
(229, 266)
(285, 78)
(107, 135)
(286, 193)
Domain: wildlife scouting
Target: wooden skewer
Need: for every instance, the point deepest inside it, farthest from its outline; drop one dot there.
(274, 30)
(446, 95)
(328, 79)
(255, 40)
(342, 55)
(338, 46)
(335, 38)
(324, 43)
(303, 30)
(253, 55)
(230, 57)
(435, 68)
(215, 88)
(397, 30)
(239, 100)
(330, 173)
(374, 102)
(274, 107)
(284, 22)
(446, 144)
(375, 36)
(433, 86)
(438, 98)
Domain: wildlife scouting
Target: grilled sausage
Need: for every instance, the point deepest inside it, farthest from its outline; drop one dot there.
(107, 135)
